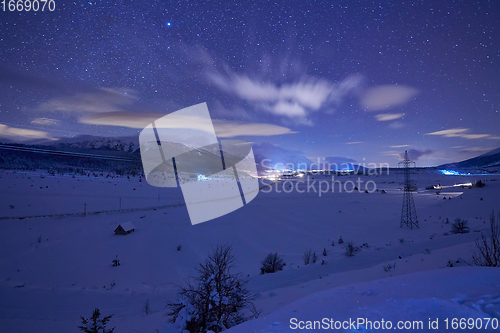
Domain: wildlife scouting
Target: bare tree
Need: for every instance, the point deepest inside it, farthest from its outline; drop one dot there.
(460, 226)
(272, 264)
(489, 245)
(215, 299)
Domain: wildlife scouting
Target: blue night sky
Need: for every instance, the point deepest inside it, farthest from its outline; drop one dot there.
(359, 80)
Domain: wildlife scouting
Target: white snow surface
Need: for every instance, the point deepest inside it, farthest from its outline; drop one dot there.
(127, 226)
(465, 292)
(56, 263)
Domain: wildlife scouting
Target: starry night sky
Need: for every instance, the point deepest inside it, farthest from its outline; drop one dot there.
(355, 80)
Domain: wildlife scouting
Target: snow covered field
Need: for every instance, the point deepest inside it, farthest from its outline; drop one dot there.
(56, 263)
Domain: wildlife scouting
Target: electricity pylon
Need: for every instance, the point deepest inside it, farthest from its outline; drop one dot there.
(408, 212)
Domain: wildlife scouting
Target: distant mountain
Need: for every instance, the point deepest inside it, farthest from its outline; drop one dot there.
(490, 159)
(270, 156)
(70, 151)
(124, 144)
(78, 155)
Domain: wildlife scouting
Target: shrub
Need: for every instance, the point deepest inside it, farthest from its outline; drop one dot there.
(350, 249)
(215, 299)
(146, 309)
(389, 267)
(94, 324)
(489, 245)
(272, 263)
(324, 252)
(307, 256)
(314, 257)
(460, 226)
(341, 241)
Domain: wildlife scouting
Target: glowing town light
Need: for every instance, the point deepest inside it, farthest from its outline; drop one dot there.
(202, 178)
(449, 172)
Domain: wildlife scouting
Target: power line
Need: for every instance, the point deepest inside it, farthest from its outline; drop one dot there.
(66, 153)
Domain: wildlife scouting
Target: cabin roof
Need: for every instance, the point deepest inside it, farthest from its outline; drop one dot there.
(127, 226)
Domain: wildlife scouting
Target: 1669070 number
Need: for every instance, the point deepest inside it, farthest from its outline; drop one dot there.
(28, 5)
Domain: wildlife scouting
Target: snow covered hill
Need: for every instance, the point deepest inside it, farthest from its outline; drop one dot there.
(489, 159)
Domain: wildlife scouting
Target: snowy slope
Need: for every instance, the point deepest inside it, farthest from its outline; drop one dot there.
(56, 264)
(489, 159)
(466, 292)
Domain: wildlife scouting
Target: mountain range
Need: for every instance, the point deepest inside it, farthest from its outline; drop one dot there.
(267, 155)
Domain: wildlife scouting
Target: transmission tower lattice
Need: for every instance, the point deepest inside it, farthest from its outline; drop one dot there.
(408, 213)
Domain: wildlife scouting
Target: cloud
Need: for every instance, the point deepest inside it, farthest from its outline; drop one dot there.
(415, 154)
(229, 129)
(386, 96)
(103, 100)
(121, 119)
(290, 109)
(472, 149)
(396, 154)
(293, 100)
(400, 146)
(22, 134)
(450, 133)
(354, 142)
(475, 136)
(389, 116)
(223, 128)
(280, 86)
(461, 133)
(233, 113)
(45, 121)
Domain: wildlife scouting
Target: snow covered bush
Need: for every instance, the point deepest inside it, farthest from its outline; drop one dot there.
(95, 324)
(489, 245)
(272, 264)
(214, 300)
(460, 226)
